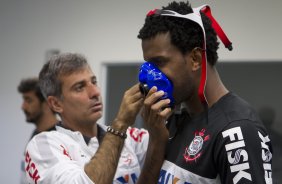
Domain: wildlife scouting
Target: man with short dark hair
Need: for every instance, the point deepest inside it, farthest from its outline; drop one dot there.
(215, 136)
(36, 110)
(34, 106)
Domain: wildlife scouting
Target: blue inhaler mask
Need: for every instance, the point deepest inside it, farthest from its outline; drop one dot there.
(149, 76)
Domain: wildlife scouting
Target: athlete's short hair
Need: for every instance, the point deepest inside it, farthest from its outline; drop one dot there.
(185, 34)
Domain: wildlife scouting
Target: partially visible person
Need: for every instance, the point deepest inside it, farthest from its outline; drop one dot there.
(81, 150)
(215, 136)
(35, 107)
(36, 111)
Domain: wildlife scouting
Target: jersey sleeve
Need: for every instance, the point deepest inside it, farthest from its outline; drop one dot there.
(47, 160)
(138, 139)
(243, 153)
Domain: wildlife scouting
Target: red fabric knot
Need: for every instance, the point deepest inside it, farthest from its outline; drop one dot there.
(151, 12)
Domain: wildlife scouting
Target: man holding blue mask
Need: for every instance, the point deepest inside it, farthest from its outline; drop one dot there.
(80, 149)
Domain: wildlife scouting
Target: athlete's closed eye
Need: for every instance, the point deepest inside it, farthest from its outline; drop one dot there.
(158, 61)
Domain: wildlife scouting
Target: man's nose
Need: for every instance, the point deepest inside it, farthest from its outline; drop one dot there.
(94, 91)
(23, 106)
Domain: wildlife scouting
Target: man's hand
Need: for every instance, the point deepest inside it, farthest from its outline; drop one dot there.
(130, 106)
(103, 165)
(155, 115)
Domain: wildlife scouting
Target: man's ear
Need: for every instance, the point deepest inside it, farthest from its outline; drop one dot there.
(196, 55)
(55, 104)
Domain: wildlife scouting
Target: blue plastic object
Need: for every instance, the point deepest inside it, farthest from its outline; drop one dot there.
(149, 76)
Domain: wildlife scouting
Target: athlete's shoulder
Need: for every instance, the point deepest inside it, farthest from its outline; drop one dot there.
(229, 109)
(236, 108)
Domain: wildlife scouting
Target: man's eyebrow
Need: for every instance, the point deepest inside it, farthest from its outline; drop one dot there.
(83, 81)
(27, 97)
(93, 77)
(77, 83)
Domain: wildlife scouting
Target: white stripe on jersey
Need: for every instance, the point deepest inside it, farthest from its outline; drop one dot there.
(172, 173)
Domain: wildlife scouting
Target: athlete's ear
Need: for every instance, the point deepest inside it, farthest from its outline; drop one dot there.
(196, 55)
(55, 104)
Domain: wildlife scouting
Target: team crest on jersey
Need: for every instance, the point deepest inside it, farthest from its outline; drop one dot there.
(194, 150)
